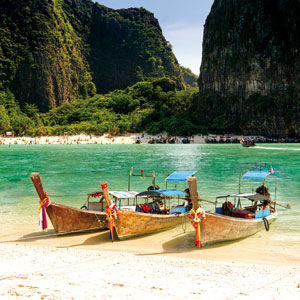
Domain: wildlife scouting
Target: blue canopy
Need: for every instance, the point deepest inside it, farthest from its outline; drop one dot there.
(256, 175)
(167, 193)
(180, 176)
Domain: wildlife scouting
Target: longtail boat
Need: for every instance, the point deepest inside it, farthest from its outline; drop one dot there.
(66, 219)
(158, 212)
(91, 216)
(247, 142)
(231, 221)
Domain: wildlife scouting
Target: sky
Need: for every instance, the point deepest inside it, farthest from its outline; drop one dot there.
(181, 22)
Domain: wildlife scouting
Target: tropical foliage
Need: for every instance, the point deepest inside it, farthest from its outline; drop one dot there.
(146, 106)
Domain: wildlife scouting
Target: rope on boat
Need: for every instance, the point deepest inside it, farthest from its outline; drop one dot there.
(266, 223)
(98, 220)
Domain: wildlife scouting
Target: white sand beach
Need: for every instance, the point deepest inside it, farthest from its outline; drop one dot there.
(36, 265)
(35, 272)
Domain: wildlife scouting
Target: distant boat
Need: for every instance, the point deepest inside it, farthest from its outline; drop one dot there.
(231, 221)
(247, 142)
(185, 140)
(158, 141)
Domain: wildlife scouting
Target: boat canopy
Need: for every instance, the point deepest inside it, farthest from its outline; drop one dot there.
(123, 195)
(244, 195)
(166, 193)
(180, 176)
(256, 175)
(251, 196)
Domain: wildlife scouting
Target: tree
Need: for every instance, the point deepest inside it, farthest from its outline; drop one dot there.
(4, 120)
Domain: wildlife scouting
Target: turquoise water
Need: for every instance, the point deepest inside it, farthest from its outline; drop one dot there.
(69, 172)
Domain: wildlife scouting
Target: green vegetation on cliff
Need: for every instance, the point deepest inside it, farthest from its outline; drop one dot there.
(127, 46)
(151, 106)
(53, 51)
(42, 58)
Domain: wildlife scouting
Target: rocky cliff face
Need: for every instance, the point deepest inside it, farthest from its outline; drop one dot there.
(249, 75)
(127, 46)
(42, 57)
(54, 50)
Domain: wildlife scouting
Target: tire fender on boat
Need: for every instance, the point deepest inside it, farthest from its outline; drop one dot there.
(266, 223)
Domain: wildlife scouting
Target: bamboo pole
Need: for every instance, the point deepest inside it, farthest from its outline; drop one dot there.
(282, 205)
(204, 200)
(36, 180)
(192, 181)
(104, 187)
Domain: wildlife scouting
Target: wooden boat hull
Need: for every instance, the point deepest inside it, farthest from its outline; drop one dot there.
(219, 228)
(66, 219)
(248, 144)
(129, 224)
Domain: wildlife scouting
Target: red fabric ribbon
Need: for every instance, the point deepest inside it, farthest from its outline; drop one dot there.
(111, 212)
(42, 211)
(104, 185)
(196, 218)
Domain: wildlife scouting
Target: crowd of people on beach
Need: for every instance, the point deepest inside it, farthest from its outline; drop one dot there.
(49, 140)
(104, 139)
(135, 138)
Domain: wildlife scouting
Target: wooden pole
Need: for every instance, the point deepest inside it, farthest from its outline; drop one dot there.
(192, 181)
(279, 204)
(104, 187)
(36, 180)
(130, 174)
(209, 201)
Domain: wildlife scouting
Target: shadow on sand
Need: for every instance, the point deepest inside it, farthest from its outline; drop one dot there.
(179, 243)
(95, 237)
(186, 243)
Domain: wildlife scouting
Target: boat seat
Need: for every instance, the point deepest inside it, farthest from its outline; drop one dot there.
(219, 210)
(154, 208)
(128, 207)
(177, 210)
(97, 206)
(149, 208)
(262, 213)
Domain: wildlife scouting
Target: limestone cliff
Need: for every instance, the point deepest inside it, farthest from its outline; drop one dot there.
(52, 51)
(249, 75)
(42, 58)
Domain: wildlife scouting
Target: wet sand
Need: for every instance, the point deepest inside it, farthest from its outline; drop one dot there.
(260, 248)
(162, 265)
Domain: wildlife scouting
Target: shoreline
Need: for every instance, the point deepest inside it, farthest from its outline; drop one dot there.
(137, 138)
(85, 139)
(132, 138)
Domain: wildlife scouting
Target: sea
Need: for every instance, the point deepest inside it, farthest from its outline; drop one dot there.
(70, 172)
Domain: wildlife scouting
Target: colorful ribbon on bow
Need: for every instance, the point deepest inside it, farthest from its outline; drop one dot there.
(111, 212)
(196, 217)
(42, 212)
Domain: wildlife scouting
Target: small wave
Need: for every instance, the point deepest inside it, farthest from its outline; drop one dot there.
(275, 148)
